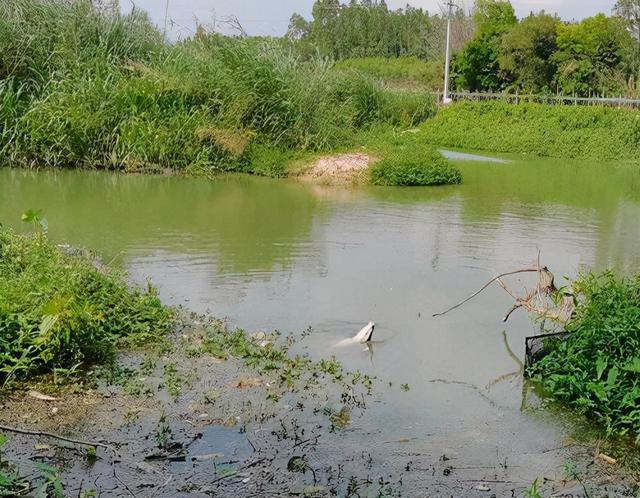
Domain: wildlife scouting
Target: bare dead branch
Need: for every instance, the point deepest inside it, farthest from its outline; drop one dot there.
(523, 270)
(51, 435)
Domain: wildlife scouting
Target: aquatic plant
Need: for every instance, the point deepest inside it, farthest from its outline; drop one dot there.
(596, 132)
(62, 308)
(597, 369)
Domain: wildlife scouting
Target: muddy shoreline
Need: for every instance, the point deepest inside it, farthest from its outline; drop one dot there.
(179, 422)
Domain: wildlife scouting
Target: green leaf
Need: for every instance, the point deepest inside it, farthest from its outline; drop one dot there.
(612, 377)
(633, 366)
(601, 364)
(31, 215)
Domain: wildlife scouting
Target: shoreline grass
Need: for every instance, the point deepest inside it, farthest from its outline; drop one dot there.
(596, 370)
(101, 90)
(590, 132)
(63, 311)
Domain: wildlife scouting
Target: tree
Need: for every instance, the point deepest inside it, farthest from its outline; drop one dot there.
(629, 10)
(592, 54)
(299, 27)
(477, 66)
(367, 28)
(493, 16)
(526, 53)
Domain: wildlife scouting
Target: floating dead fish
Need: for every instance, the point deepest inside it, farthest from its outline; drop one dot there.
(365, 335)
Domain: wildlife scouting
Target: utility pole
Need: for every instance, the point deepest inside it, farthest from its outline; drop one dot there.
(447, 56)
(166, 14)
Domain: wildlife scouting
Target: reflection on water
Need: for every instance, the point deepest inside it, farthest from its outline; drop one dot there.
(272, 254)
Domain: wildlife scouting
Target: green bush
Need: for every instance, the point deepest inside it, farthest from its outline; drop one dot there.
(596, 132)
(597, 369)
(414, 166)
(58, 310)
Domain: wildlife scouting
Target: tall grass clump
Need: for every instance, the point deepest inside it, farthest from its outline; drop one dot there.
(597, 369)
(408, 162)
(596, 132)
(59, 310)
(403, 71)
(82, 87)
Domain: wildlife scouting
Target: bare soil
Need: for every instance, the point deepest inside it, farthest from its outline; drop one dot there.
(340, 169)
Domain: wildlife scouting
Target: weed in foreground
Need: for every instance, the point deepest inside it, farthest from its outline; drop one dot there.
(59, 310)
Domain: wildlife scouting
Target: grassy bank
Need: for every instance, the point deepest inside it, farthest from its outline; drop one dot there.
(81, 88)
(61, 311)
(597, 370)
(557, 131)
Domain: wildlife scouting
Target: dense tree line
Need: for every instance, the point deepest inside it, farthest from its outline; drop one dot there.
(368, 28)
(542, 54)
(493, 50)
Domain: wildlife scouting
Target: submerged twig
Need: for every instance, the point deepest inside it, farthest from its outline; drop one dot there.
(51, 435)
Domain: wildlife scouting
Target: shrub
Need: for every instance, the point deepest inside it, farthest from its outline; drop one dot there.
(597, 369)
(558, 131)
(414, 166)
(58, 310)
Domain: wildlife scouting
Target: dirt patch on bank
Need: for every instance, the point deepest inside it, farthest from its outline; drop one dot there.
(339, 169)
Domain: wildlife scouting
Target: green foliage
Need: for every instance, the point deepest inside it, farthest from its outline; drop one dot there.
(629, 12)
(266, 160)
(414, 166)
(58, 310)
(590, 53)
(545, 130)
(597, 369)
(398, 71)
(493, 16)
(541, 54)
(81, 87)
(533, 491)
(476, 67)
(52, 486)
(268, 354)
(36, 218)
(526, 54)
(366, 29)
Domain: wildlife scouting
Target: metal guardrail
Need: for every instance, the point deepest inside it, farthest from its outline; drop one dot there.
(516, 98)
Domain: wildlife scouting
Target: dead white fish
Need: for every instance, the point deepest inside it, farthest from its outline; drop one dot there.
(365, 335)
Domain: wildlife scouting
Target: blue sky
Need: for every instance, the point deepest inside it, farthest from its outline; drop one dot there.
(270, 17)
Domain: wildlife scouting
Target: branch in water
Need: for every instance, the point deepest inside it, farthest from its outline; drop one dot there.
(494, 279)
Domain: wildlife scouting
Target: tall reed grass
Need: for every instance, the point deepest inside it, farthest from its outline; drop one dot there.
(83, 88)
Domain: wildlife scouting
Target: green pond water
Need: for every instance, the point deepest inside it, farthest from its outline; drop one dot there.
(282, 255)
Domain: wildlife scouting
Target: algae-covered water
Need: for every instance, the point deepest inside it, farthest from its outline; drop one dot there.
(274, 254)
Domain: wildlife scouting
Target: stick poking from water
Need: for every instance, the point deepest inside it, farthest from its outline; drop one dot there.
(494, 279)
